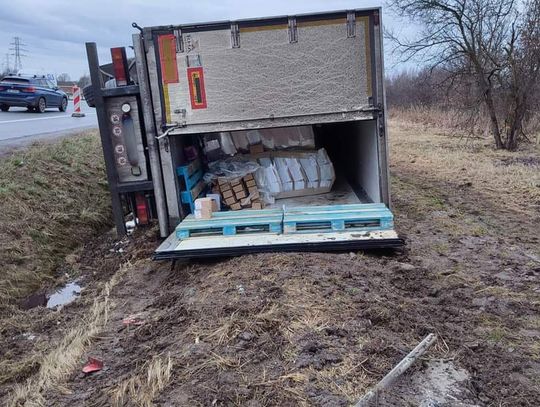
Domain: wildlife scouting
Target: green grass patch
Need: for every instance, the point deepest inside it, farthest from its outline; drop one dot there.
(53, 197)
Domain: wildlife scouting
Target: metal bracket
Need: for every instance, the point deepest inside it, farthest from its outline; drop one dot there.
(235, 35)
(293, 30)
(351, 24)
(182, 112)
(380, 114)
(179, 40)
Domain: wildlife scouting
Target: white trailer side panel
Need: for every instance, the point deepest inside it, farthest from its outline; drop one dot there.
(324, 72)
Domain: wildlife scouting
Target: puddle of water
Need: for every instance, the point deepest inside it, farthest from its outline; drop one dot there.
(64, 295)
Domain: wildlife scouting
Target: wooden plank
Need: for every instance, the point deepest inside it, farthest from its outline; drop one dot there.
(328, 216)
(337, 218)
(336, 208)
(228, 225)
(217, 223)
(193, 179)
(188, 170)
(188, 197)
(197, 189)
(242, 214)
(397, 371)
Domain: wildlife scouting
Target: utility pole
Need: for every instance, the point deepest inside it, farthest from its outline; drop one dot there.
(18, 49)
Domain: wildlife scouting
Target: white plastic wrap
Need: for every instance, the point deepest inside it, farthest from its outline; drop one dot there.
(275, 139)
(227, 144)
(326, 168)
(253, 137)
(230, 169)
(297, 175)
(240, 140)
(311, 169)
(284, 174)
(268, 183)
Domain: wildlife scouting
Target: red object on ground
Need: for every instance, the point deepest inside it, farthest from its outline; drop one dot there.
(93, 365)
(133, 320)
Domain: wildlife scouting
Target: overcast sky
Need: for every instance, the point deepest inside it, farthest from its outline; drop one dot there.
(55, 31)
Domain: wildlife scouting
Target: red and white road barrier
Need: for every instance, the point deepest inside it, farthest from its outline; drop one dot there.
(77, 102)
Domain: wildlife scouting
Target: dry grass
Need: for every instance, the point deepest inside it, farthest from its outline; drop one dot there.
(142, 388)
(512, 179)
(455, 122)
(61, 360)
(52, 198)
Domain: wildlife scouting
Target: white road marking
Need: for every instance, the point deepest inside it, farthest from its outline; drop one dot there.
(39, 118)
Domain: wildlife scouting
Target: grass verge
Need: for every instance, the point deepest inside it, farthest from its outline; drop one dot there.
(52, 198)
(62, 359)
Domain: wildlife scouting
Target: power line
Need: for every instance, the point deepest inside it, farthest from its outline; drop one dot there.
(18, 49)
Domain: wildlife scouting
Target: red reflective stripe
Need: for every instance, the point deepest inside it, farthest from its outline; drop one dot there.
(167, 57)
(142, 209)
(77, 99)
(197, 90)
(120, 70)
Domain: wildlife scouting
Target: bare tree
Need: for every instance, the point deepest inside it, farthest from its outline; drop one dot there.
(63, 77)
(488, 41)
(83, 81)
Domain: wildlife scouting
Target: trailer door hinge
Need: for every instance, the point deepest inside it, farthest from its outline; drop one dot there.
(179, 41)
(293, 30)
(351, 24)
(235, 35)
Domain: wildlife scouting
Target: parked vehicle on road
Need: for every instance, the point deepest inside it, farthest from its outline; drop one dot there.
(35, 93)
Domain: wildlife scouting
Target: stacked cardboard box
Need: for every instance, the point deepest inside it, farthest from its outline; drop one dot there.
(204, 208)
(240, 193)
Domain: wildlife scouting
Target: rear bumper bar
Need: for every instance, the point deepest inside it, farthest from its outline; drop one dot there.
(24, 101)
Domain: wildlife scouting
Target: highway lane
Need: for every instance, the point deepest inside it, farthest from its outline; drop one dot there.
(19, 127)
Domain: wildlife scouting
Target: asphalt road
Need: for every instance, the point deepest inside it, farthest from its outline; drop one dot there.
(19, 127)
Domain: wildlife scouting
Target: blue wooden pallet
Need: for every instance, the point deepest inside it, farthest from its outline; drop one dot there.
(232, 223)
(337, 218)
(191, 175)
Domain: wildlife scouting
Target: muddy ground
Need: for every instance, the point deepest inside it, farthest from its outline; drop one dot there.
(305, 329)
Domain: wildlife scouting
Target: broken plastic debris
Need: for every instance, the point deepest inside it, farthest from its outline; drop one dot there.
(130, 226)
(93, 365)
(133, 320)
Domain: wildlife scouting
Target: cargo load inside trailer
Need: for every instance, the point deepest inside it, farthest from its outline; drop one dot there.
(278, 188)
(264, 134)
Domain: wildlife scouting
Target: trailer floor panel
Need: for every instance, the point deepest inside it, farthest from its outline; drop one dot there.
(341, 193)
(215, 246)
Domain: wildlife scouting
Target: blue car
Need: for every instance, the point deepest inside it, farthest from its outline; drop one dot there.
(34, 93)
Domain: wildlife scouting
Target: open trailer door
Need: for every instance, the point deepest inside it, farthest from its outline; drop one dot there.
(296, 229)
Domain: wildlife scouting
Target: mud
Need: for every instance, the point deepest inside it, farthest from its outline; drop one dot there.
(436, 384)
(319, 329)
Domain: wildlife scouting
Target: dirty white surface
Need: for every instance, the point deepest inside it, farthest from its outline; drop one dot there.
(439, 384)
(341, 193)
(323, 72)
(254, 240)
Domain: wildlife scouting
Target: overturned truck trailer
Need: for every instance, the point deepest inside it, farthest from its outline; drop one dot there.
(299, 98)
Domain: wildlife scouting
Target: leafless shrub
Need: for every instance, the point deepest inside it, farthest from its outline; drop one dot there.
(481, 56)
